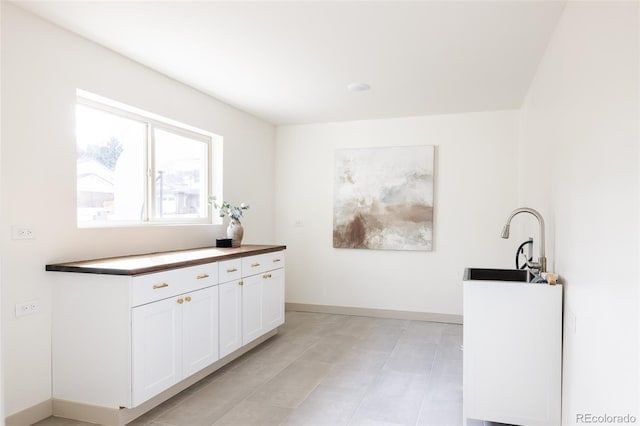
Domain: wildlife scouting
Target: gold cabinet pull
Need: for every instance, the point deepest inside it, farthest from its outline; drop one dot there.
(276, 260)
(202, 276)
(253, 265)
(232, 270)
(266, 276)
(157, 286)
(180, 301)
(188, 298)
(240, 282)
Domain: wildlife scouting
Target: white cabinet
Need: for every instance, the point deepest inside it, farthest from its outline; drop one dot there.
(199, 330)
(230, 291)
(230, 317)
(512, 352)
(262, 294)
(156, 348)
(252, 306)
(121, 336)
(273, 299)
(171, 340)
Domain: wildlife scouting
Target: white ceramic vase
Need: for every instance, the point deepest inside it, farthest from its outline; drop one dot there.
(235, 231)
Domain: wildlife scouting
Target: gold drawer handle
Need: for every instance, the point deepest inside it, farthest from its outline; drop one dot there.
(240, 282)
(203, 276)
(180, 301)
(276, 260)
(188, 298)
(157, 286)
(253, 265)
(232, 270)
(266, 276)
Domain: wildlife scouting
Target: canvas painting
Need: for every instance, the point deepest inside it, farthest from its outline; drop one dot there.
(383, 198)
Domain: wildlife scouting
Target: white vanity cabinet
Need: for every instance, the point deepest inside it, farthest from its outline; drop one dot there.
(131, 332)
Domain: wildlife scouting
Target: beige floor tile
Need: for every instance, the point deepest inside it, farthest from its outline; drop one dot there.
(380, 339)
(444, 366)
(348, 382)
(290, 347)
(450, 347)
(412, 357)
(325, 406)
(330, 349)
(440, 413)
(395, 397)
(212, 401)
(444, 388)
(254, 413)
(292, 385)
(357, 327)
(362, 360)
(257, 364)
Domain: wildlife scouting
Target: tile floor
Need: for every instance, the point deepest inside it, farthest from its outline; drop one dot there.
(329, 370)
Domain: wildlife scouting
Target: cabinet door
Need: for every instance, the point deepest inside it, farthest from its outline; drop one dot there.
(273, 299)
(512, 359)
(156, 348)
(230, 308)
(252, 303)
(199, 330)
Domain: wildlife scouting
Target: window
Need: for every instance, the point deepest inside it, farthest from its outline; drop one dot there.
(134, 168)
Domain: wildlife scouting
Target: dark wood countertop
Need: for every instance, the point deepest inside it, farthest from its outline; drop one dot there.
(161, 261)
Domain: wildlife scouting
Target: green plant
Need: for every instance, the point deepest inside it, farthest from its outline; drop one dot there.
(226, 209)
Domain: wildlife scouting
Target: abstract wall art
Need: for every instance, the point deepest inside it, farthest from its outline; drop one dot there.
(383, 198)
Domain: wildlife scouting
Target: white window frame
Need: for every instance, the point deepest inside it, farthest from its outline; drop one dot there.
(152, 121)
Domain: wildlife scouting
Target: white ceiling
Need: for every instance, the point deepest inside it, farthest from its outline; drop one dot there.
(290, 61)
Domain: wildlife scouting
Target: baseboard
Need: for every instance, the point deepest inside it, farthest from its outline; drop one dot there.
(31, 415)
(121, 416)
(86, 412)
(376, 313)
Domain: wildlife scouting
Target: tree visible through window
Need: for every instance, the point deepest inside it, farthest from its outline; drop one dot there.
(133, 169)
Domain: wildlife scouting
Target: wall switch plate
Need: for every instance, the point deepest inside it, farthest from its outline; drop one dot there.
(27, 308)
(22, 232)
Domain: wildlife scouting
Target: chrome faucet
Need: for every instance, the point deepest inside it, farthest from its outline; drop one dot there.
(541, 264)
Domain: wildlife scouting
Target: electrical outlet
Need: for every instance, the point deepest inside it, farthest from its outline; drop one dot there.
(22, 232)
(27, 308)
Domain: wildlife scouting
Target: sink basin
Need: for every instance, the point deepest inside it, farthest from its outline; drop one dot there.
(485, 274)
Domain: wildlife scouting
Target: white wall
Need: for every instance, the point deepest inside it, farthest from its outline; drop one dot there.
(42, 66)
(475, 190)
(579, 164)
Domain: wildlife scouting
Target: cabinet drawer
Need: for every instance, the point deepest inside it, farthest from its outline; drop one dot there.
(200, 276)
(157, 286)
(252, 265)
(230, 270)
(275, 259)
